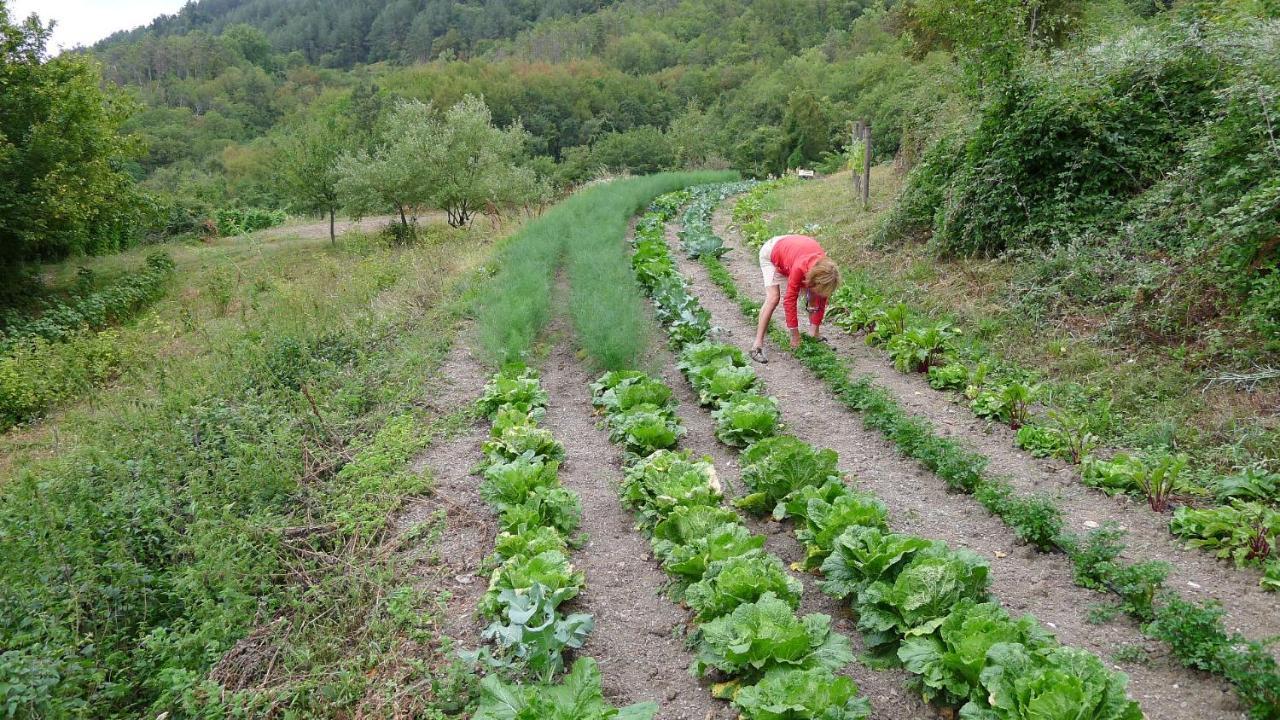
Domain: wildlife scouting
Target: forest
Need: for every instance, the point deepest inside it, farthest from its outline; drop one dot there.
(388, 358)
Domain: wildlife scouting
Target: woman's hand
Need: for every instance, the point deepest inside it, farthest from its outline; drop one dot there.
(795, 338)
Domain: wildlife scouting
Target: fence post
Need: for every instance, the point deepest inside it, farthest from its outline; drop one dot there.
(866, 166)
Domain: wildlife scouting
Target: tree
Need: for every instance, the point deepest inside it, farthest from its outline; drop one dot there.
(807, 128)
(63, 186)
(308, 167)
(473, 164)
(394, 175)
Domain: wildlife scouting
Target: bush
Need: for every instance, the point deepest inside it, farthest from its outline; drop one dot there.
(241, 220)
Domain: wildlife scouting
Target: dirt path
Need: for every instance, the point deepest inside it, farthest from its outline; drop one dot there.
(1195, 574)
(638, 638)
(1024, 580)
(453, 562)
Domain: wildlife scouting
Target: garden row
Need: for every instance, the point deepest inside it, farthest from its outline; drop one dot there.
(532, 576)
(919, 603)
(1243, 526)
(1196, 633)
(69, 346)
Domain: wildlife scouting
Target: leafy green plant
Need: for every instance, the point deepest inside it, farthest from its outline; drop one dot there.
(510, 483)
(634, 392)
(577, 697)
(854, 307)
(522, 440)
(1019, 681)
(953, 376)
(920, 597)
(1042, 442)
(646, 428)
(1117, 475)
(740, 580)
(689, 561)
(950, 661)
(534, 541)
(610, 380)
(1075, 434)
(823, 522)
(1251, 483)
(1244, 532)
(665, 480)
(776, 467)
(746, 418)
(515, 387)
(760, 636)
(863, 555)
(555, 507)
(793, 694)
(532, 635)
(1159, 478)
(888, 322)
(1035, 519)
(917, 349)
(1097, 566)
(552, 570)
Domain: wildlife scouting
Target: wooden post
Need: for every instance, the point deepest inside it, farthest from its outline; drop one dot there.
(853, 144)
(866, 166)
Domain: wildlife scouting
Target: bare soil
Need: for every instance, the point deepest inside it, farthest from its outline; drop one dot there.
(1023, 579)
(1195, 574)
(638, 639)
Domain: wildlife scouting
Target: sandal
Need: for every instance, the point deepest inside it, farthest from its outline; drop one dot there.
(757, 354)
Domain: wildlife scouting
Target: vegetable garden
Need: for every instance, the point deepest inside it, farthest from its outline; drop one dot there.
(941, 614)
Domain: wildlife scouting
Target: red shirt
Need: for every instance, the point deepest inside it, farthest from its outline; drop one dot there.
(793, 255)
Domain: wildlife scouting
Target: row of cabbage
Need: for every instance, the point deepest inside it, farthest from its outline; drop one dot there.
(919, 603)
(772, 663)
(529, 633)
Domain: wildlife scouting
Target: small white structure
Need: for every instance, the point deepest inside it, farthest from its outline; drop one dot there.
(805, 174)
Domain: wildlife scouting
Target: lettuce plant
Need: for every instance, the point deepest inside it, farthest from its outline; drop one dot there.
(690, 561)
(760, 636)
(518, 440)
(862, 556)
(509, 483)
(1244, 532)
(608, 382)
(645, 428)
(795, 504)
(920, 597)
(775, 467)
(665, 480)
(518, 388)
(577, 697)
(949, 662)
(792, 694)
(1059, 682)
(825, 521)
(532, 541)
(550, 569)
(686, 524)
(554, 507)
(633, 391)
(740, 580)
(710, 354)
(954, 376)
(746, 418)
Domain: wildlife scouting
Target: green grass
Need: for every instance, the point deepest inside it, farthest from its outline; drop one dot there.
(586, 235)
(144, 526)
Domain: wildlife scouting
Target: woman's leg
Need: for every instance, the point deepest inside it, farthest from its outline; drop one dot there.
(771, 296)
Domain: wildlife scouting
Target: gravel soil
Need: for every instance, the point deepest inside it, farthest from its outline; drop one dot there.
(639, 635)
(1023, 579)
(1195, 574)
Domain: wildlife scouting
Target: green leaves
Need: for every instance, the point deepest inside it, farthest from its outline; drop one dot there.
(550, 569)
(665, 480)
(791, 694)
(950, 661)
(532, 637)
(766, 634)
(776, 467)
(1059, 682)
(739, 580)
(1244, 532)
(920, 597)
(862, 556)
(577, 697)
(645, 428)
(516, 388)
(746, 418)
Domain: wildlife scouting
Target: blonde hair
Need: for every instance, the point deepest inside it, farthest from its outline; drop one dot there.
(823, 278)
